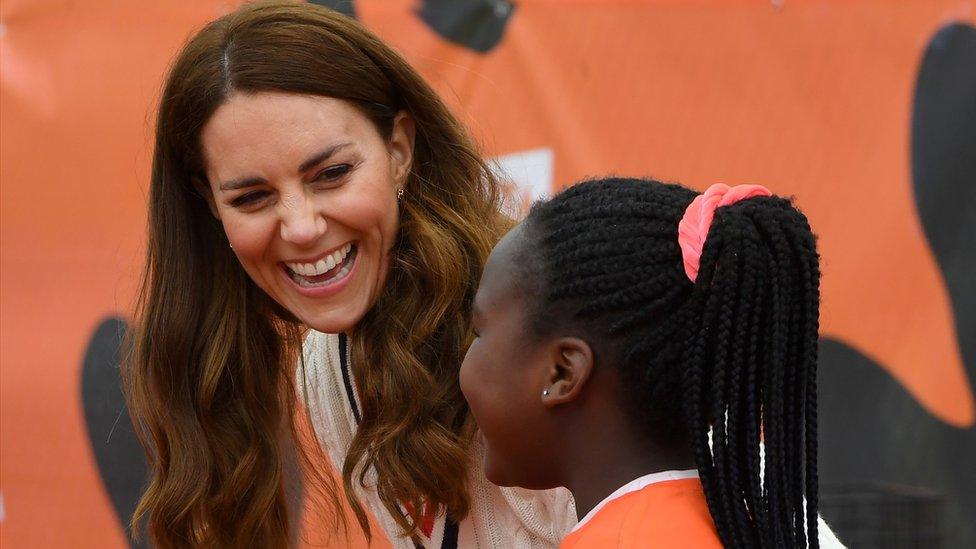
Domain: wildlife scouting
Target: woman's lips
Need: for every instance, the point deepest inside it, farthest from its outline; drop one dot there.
(327, 283)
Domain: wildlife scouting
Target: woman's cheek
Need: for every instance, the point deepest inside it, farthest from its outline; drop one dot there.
(249, 234)
(252, 241)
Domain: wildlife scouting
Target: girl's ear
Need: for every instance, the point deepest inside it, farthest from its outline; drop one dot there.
(571, 362)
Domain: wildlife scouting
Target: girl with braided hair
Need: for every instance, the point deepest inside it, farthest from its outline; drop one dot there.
(655, 351)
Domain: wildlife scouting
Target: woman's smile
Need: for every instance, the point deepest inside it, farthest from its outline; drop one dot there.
(324, 275)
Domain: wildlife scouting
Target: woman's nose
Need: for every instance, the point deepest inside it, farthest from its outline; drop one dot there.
(300, 222)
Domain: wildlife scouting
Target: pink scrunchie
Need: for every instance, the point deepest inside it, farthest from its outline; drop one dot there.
(694, 225)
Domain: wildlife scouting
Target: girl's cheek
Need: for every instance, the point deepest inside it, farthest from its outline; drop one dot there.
(470, 385)
(469, 389)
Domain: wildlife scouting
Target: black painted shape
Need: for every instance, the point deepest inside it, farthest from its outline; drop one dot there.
(475, 24)
(121, 462)
(345, 7)
(944, 169)
(871, 429)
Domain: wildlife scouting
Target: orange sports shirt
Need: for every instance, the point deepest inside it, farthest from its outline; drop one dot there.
(666, 509)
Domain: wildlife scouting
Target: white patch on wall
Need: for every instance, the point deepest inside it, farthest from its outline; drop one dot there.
(3, 509)
(531, 174)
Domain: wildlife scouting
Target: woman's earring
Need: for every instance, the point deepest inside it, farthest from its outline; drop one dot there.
(400, 194)
(545, 392)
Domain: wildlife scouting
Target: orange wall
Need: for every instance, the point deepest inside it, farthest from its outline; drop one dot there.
(811, 99)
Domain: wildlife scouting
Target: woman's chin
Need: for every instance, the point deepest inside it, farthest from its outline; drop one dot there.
(329, 326)
(334, 321)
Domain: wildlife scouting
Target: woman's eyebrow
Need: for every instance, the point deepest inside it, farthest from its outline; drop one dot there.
(308, 164)
(322, 156)
(241, 183)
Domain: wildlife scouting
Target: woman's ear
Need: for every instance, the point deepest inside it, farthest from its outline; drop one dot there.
(401, 146)
(571, 362)
(203, 189)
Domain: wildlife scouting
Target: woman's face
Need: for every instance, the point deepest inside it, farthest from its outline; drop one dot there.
(305, 187)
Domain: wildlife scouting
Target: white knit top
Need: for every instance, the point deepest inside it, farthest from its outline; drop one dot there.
(500, 517)
(509, 518)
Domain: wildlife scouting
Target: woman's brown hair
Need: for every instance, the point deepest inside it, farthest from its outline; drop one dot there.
(210, 378)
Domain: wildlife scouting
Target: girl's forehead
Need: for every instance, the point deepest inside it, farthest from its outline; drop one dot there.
(502, 277)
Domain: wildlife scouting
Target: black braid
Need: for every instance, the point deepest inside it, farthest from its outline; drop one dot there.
(735, 454)
(755, 259)
(698, 384)
(793, 389)
(724, 287)
(778, 448)
(728, 363)
(804, 247)
(732, 356)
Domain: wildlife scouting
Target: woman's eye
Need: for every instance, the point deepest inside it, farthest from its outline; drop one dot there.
(248, 199)
(333, 173)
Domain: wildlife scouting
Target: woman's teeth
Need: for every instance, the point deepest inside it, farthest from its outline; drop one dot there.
(325, 271)
(323, 265)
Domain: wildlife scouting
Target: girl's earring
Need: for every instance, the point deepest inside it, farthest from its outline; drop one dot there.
(399, 194)
(545, 392)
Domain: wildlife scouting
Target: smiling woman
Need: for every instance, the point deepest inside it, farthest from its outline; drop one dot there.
(309, 188)
(305, 188)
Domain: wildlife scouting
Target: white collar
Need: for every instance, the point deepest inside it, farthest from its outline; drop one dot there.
(635, 485)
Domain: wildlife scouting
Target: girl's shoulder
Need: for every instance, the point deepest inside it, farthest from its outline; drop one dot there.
(666, 514)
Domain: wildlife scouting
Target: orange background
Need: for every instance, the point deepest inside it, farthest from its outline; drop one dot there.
(811, 99)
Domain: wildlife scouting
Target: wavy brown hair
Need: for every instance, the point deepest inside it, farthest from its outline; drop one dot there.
(209, 380)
